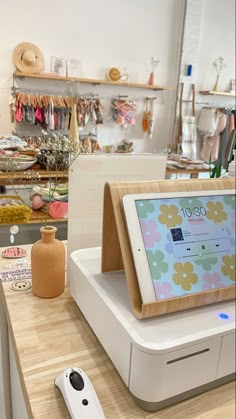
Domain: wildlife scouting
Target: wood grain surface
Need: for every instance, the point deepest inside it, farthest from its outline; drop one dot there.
(50, 335)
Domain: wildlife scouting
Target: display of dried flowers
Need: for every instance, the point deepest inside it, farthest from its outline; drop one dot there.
(219, 65)
(56, 153)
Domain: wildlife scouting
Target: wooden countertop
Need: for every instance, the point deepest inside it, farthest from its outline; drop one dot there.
(50, 335)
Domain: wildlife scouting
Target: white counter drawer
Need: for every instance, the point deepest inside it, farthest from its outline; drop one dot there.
(156, 377)
(227, 356)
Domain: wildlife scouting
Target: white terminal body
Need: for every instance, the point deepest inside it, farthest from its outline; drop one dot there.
(163, 359)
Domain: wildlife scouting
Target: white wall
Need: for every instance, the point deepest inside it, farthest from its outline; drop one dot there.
(102, 34)
(209, 32)
(217, 38)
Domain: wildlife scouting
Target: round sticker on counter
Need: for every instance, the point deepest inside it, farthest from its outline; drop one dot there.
(14, 229)
(21, 285)
(14, 252)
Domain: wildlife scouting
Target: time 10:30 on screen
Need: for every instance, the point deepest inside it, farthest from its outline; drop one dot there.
(196, 211)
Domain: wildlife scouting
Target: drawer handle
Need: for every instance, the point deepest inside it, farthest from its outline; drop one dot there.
(188, 356)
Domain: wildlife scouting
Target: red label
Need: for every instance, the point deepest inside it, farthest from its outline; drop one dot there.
(14, 252)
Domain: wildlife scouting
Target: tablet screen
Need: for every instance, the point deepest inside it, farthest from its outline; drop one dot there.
(189, 243)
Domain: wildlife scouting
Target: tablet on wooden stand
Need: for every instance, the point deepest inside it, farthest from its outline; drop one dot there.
(174, 239)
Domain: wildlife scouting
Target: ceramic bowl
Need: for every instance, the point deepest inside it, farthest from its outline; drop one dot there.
(11, 164)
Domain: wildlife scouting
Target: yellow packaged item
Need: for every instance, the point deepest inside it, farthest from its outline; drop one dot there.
(13, 211)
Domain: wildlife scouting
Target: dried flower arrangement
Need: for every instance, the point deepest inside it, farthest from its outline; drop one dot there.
(219, 65)
(56, 153)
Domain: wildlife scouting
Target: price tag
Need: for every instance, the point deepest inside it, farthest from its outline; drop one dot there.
(19, 274)
(14, 252)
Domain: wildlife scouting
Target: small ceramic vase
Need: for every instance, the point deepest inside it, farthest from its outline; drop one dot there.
(215, 88)
(154, 64)
(48, 264)
(151, 79)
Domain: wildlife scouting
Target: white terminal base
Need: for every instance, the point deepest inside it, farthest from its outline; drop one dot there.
(163, 359)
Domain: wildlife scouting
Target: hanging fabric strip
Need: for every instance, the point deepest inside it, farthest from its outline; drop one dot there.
(189, 130)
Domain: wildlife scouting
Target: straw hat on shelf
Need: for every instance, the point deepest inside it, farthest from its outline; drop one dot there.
(28, 58)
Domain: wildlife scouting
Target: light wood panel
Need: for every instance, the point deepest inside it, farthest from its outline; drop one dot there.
(116, 249)
(51, 335)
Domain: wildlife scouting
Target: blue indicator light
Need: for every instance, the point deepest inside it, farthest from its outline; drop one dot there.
(224, 316)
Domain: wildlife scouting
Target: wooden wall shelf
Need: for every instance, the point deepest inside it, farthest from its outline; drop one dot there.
(213, 93)
(20, 177)
(95, 82)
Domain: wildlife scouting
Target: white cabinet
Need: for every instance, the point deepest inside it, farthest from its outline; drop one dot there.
(18, 404)
(5, 393)
(12, 405)
(226, 364)
(159, 377)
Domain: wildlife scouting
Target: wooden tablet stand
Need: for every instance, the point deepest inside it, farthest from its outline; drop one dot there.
(116, 250)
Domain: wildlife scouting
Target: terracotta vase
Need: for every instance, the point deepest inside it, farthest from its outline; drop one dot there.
(151, 79)
(48, 264)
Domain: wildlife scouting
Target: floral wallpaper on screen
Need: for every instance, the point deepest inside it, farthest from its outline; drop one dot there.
(189, 242)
